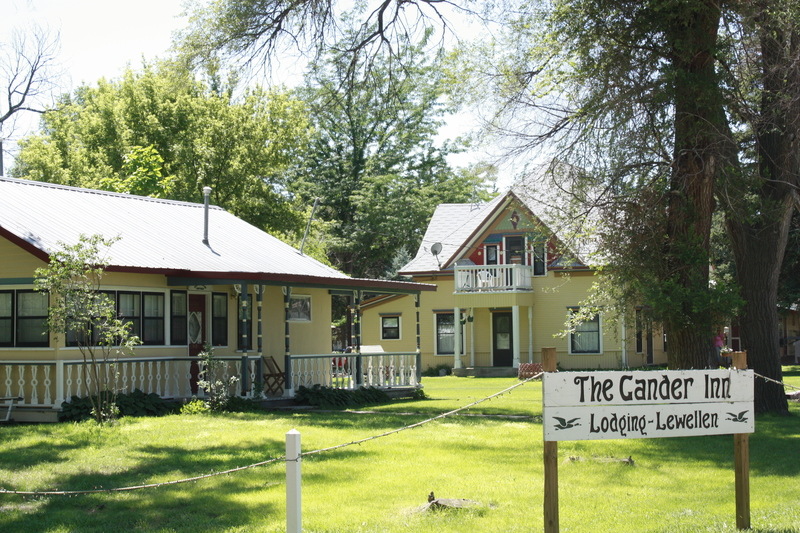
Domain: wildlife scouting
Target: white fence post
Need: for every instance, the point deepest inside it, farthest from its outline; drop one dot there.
(293, 492)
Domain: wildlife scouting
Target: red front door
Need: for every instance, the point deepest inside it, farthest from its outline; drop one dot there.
(197, 333)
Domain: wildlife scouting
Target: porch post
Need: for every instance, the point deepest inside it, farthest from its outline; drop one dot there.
(259, 331)
(456, 338)
(288, 390)
(419, 353)
(472, 338)
(244, 341)
(515, 344)
(357, 335)
(530, 334)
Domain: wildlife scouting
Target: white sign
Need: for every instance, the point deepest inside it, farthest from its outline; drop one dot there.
(645, 404)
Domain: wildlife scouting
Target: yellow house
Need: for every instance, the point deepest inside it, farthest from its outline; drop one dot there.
(184, 275)
(505, 288)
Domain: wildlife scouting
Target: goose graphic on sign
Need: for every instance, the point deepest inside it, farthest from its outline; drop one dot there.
(563, 423)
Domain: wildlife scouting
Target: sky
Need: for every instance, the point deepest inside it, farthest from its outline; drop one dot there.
(100, 38)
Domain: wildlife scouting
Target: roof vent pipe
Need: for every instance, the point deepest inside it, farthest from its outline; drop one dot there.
(206, 197)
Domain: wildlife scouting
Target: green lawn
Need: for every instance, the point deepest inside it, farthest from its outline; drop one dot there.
(674, 485)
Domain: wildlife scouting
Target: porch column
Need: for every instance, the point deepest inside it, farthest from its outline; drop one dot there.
(515, 344)
(530, 334)
(457, 338)
(259, 370)
(244, 340)
(59, 399)
(357, 335)
(259, 331)
(288, 391)
(472, 337)
(419, 353)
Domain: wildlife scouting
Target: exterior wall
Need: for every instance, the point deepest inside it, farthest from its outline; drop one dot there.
(17, 268)
(549, 303)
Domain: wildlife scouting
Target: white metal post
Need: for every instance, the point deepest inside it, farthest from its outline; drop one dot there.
(293, 483)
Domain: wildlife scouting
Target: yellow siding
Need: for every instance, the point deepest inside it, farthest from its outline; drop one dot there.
(16, 262)
(549, 303)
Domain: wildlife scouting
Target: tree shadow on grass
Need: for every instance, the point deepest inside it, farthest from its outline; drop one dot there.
(209, 504)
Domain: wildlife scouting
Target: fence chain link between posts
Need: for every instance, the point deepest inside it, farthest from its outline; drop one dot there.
(268, 461)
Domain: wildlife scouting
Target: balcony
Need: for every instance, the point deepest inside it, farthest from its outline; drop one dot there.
(493, 278)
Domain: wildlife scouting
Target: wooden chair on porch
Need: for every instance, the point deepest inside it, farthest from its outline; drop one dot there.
(273, 377)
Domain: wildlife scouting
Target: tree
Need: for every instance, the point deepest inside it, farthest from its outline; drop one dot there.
(680, 101)
(373, 162)
(27, 76)
(160, 132)
(87, 317)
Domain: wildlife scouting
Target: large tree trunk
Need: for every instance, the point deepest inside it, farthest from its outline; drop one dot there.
(758, 249)
(759, 230)
(698, 113)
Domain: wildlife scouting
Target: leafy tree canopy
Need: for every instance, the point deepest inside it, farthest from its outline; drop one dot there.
(161, 132)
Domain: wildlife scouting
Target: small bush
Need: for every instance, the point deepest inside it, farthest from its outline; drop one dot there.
(236, 404)
(331, 398)
(438, 370)
(195, 407)
(136, 403)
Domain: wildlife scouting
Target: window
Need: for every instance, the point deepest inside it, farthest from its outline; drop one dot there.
(586, 337)
(491, 254)
(129, 310)
(300, 308)
(23, 318)
(245, 324)
(32, 318)
(178, 324)
(445, 333)
(639, 332)
(153, 318)
(219, 319)
(539, 258)
(7, 318)
(390, 327)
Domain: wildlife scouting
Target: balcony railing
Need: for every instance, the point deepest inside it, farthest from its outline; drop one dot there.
(493, 278)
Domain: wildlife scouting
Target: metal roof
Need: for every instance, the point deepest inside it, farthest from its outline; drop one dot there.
(455, 225)
(160, 236)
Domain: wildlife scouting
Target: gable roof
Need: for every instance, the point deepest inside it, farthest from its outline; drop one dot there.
(159, 236)
(456, 226)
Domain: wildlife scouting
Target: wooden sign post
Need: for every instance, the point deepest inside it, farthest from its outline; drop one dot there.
(550, 460)
(741, 462)
(646, 404)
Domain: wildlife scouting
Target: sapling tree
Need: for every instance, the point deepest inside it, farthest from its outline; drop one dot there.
(87, 317)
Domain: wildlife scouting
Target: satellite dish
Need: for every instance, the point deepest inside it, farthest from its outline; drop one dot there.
(436, 249)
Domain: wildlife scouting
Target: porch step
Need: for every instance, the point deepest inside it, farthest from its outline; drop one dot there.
(32, 414)
(486, 372)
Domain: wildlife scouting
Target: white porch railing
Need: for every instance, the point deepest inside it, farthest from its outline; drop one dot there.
(342, 371)
(49, 383)
(493, 278)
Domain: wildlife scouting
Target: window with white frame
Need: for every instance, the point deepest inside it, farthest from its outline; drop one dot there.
(445, 333)
(586, 338)
(390, 327)
(299, 308)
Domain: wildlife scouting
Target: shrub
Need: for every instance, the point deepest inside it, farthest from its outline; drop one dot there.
(438, 370)
(136, 403)
(195, 407)
(331, 398)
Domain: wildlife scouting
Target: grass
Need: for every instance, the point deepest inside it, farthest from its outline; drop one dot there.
(674, 485)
